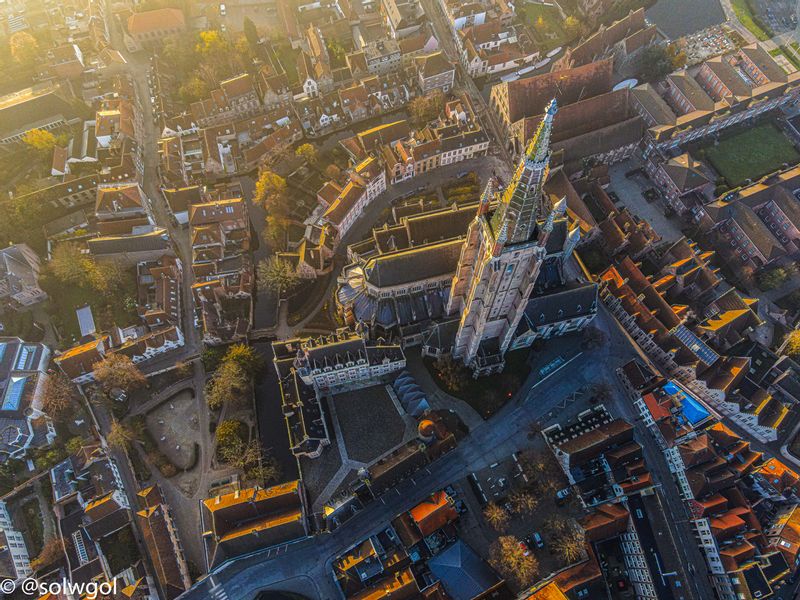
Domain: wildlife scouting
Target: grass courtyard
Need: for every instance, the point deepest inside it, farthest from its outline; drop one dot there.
(546, 24)
(751, 154)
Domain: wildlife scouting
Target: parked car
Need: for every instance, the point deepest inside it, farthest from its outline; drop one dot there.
(535, 539)
(525, 548)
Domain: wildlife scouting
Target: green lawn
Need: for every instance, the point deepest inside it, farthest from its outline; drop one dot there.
(751, 154)
(548, 32)
(64, 300)
(34, 526)
(745, 16)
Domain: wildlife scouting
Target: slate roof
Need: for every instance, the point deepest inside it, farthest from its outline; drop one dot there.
(428, 262)
(433, 65)
(563, 305)
(30, 106)
(462, 573)
(685, 172)
(755, 230)
(156, 240)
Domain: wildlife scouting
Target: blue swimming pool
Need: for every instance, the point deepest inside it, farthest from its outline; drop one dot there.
(691, 408)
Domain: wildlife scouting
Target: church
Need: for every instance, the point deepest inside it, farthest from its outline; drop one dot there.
(466, 280)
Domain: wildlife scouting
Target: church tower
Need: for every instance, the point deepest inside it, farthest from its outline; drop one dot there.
(501, 257)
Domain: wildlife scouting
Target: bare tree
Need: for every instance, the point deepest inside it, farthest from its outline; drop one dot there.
(496, 516)
(58, 395)
(534, 429)
(450, 373)
(523, 502)
(120, 436)
(570, 541)
(118, 371)
(508, 556)
(602, 391)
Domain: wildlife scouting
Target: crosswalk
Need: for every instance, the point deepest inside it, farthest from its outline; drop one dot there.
(217, 592)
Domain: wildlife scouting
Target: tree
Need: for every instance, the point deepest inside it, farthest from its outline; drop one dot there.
(450, 373)
(58, 396)
(248, 457)
(496, 516)
(67, 263)
(572, 26)
(40, 140)
(277, 275)
(117, 371)
(602, 391)
(193, 89)
(47, 458)
(540, 25)
(246, 357)
(24, 49)
(769, 279)
(792, 345)
(307, 152)
(251, 33)
(570, 541)
(657, 61)
(271, 193)
(106, 278)
(51, 552)
(74, 445)
(228, 434)
(269, 186)
(333, 172)
(229, 385)
(120, 436)
(523, 502)
(507, 556)
(424, 109)
(215, 52)
(593, 338)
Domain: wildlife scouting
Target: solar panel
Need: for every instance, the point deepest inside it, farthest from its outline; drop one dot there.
(697, 346)
(25, 354)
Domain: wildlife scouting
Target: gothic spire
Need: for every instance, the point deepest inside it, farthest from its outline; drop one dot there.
(521, 200)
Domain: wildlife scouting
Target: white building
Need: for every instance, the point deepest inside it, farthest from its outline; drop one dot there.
(367, 182)
(344, 359)
(14, 561)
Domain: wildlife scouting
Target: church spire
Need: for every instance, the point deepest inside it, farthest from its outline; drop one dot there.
(521, 200)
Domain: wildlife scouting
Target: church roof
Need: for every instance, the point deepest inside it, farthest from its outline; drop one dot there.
(418, 264)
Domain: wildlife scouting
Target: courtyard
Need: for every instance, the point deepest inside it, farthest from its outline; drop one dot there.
(751, 154)
(174, 427)
(369, 422)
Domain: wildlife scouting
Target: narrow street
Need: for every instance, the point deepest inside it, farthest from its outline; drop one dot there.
(444, 34)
